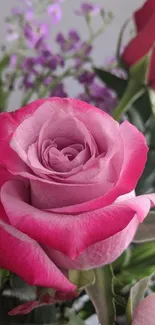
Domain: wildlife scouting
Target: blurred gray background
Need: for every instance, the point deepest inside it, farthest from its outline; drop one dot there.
(105, 46)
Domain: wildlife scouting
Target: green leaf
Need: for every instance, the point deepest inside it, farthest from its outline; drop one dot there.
(4, 274)
(3, 94)
(136, 119)
(132, 93)
(146, 230)
(102, 295)
(4, 63)
(139, 70)
(143, 106)
(117, 84)
(82, 278)
(136, 86)
(137, 293)
(3, 98)
(146, 183)
(74, 319)
(152, 100)
(142, 254)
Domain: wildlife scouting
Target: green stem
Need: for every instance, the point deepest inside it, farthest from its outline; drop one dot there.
(132, 93)
(101, 295)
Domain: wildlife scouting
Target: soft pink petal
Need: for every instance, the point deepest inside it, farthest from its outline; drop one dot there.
(27, 111)
(8, 124)
(57, 196)
(135, 156)
(75, 232)
(25, 308)
(145, 312)
(74, 130)
(99, 254)
(22, 255)
(28, 131)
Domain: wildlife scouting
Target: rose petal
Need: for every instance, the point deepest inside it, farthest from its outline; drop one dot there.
(143, 15)
(8, 124)
(145, 312)
(22, 255)
(75, 233)
(135, 156)
(99, 254)
(25, 308)
(131, 55)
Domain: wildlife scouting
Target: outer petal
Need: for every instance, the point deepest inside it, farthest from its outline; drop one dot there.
(25, 112)
(141, 44)
(8, 124)
(145, 312)
(75, 233)
(23, 256)
(99, 254)
(143, 15)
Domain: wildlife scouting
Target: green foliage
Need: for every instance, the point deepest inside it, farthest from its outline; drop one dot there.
(102, 295)
(137, 293)
(81, 278)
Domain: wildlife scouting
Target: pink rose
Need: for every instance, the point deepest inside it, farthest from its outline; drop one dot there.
(145, 311)
(67, 175)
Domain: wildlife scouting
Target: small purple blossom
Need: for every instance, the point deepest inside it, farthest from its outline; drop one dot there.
(47, 81)
(64, 44)
(85, 97)
(29, 65)
(49, 60)
(73, 36)
(88, 9)
(59, 91)
(86, 48)
(28, 81)
(70, 43)
(102, 96)
(29, 14)
(13, 61)
(34, 32)
(86, 77)
(55, 13)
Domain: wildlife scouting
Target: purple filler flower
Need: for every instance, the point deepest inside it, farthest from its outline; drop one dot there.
(88, 9)
(59, 91)
(34, 32)
(13, 61)
(86, 77)
(55, 13)
(73, 36)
